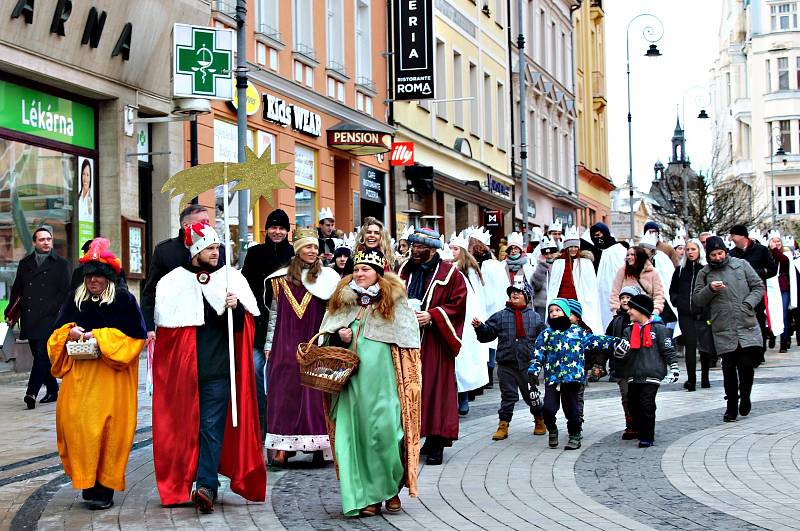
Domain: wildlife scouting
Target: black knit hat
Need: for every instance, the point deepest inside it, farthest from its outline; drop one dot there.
(642, 303)
(715, 242)
(525, 292)
(277, 218)
(738, 230)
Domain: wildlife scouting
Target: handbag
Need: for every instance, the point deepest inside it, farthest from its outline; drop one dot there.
(13, 311)
(83, 349)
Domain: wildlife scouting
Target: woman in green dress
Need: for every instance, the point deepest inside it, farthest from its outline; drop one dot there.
(374, 420)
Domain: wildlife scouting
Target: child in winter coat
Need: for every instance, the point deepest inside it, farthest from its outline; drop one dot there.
(560, 354)
(617, 328)
(648, 360)
(515, 327)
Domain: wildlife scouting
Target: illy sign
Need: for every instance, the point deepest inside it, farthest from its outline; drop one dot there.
(413, 49)
(402, 154)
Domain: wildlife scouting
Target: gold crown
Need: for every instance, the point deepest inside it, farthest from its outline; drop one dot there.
(371, 257)
(305, 232)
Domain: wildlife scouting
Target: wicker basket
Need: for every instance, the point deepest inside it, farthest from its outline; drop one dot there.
(326, 369)
(83, 349)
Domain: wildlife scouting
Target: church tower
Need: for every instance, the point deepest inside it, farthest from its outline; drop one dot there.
(678, 144)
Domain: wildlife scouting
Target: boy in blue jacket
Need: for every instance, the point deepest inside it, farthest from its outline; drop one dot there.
(649, 360)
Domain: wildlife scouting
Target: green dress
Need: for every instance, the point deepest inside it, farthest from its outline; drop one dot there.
(369, 435)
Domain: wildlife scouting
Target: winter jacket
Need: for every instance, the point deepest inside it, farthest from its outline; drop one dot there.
(616, 328)
(511, 350)
(759, 259)
(682, 287)
(41, 290)
(783, 268)
(562, 353)
(733, 318)
(649, 282)
(649, 364)
(541, 277)
(260, 262)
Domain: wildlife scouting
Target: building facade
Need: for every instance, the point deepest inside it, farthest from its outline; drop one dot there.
(462, 139)
(549, 73)
(594, 182)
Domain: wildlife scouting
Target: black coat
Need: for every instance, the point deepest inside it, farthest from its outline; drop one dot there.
(42, 291)
(759, 259)
(682, 287)
(167, 255)
(260, 262)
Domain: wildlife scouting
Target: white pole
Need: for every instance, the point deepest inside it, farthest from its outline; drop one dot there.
(231, 354)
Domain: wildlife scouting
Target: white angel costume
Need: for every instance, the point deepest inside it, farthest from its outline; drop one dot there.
(473, 356)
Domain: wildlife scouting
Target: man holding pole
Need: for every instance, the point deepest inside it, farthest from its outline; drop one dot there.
(195, 430)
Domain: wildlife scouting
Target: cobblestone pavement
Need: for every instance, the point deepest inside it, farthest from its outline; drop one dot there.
(701, 474)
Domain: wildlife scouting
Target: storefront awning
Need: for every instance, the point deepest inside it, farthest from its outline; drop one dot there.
(359, 140)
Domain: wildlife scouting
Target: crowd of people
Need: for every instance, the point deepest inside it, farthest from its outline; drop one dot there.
(433, 322)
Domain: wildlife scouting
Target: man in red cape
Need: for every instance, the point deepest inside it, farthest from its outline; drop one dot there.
(441, 293)
(193, 434)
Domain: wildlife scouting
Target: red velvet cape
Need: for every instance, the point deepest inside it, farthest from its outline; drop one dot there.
(176, 418)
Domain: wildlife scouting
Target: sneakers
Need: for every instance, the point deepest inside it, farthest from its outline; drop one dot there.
(538, 427)
(552, 438)
(502, 431)
(574, 442)
(644, 443)
(203, 498)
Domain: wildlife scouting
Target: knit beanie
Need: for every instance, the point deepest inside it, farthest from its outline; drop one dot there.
(642, 303)
(575, 307)
(715, 242)
(563, 304)
(630, 291)
(525, 293)
(737, 230)
(277, 218)
(652, 225)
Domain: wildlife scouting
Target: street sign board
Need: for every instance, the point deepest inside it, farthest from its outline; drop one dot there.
(414, 70)
(202, 62)
(402, 154)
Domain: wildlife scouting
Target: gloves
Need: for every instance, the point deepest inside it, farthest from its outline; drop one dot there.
(657, 319)
(622, 348)
(673, 373)
(536, 397)
(533, 378)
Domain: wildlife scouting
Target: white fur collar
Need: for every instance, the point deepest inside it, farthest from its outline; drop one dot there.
(179, 296)
(323, 288)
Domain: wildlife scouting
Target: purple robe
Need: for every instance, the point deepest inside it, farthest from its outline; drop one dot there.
(295, 416)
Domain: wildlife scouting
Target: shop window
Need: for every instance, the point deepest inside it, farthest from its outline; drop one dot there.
(305, 179)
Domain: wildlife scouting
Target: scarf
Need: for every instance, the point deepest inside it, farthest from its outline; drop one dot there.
(567, 288)
(366, 296)
(420, 275)
(637, 341)
(518, 321)
(515, 264)
(40, 257)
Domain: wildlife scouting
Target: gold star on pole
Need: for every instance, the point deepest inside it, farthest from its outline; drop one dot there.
(258, 175)
(193, 181)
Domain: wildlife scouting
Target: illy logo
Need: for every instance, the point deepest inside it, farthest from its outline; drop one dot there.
(402, 154)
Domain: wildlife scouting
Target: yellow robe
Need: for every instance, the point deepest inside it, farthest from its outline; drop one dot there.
(96, 408)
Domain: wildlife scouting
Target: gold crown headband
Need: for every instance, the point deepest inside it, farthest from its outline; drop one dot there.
(370, 257)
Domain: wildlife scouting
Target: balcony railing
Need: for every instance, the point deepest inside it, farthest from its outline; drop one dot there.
(269, 31)
(227, 7)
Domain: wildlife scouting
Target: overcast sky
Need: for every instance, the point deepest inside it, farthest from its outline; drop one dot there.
(658, 85)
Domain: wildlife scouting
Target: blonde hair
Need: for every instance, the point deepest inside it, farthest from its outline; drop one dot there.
(385, 244)
(107, 297)
(465, 262)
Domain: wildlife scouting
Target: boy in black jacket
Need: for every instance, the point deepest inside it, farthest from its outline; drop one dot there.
(650, 358)
(616, 366)
(515, 327)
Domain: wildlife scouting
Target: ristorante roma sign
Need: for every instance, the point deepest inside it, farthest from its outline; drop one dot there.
(413, 50)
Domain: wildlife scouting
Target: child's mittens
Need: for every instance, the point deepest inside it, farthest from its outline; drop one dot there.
(622, 348)
(673, 373)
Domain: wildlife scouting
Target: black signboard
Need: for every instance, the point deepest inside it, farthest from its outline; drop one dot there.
(413, 50)
(493, 219)
(372, 184)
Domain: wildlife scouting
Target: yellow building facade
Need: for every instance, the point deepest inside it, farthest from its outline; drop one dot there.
(461, 138)
(594, 182)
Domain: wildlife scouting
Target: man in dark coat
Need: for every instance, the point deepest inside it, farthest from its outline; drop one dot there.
(765, 267)
(260, 262)
(41, 285)
(327, 232)
(168, 255)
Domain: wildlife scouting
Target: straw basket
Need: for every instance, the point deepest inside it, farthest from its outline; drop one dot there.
(326, 369)
(83, 349)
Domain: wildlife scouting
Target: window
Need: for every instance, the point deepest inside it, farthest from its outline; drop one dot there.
(545, 156)
(554, 156)
(363, 102)
(475, 102)
(783, 16)
(363, 44)
(730, 148)
(458, 89)
(499, 6)
(303, 73)
(542, 37)
(786, 136)
(501, 116)
(727, 88)
(335, 89)
(552, 64)
(567, 170)
(768, 67)
(783, 73)
(441, 80)
(797, 72)
(305, 179)
(267, 18)
(787, 199)
(303, 18)
(487, 106)
(564, 58)
(334, 32)
(266, 56)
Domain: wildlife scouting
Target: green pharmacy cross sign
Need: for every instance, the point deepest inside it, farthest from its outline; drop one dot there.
(202, 62)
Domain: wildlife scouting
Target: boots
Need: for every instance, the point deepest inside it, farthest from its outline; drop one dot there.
(539, 428)
(502, 431)
(629, 433)
(574, 442)
(490, 385)
(552, 437)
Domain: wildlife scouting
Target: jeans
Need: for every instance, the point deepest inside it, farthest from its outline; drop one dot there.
(214, 400)
(492, 358)
(737, 374)
(642, 405)
(570, 397)
(260, 363)
(786, 335)
(513, 382)
(40, 372)
(463, 402)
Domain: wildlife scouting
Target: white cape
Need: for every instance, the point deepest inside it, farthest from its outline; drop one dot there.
(775, 300)
(495, 281)
(471, 361)
(666, 269)
(611, 261)
(585, 286)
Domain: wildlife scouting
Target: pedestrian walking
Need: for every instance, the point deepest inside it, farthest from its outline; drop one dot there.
(260, 262)
(300, 292)
(609, 256)
(730, 288)
(39, 290)
(649, 359)
(194, 439)
(374, 420)
(617, 328)
(559, 357)
(438, 293)
(96, 412)
(515, 328)
(785, 281)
